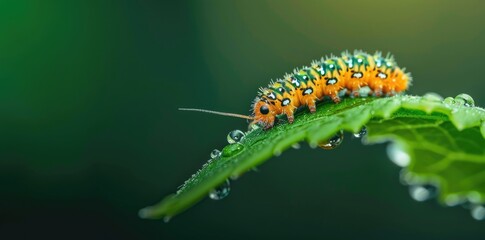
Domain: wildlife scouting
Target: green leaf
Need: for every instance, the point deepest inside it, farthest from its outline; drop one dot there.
(438, 142)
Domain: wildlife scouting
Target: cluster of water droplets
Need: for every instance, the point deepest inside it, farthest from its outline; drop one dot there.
(234, 139)
(462, 99)
(337, 139)
(421, 189)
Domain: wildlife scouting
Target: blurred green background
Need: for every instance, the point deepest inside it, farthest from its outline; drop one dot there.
(90, 131)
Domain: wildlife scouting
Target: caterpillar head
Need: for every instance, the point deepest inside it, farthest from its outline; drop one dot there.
(264, 113)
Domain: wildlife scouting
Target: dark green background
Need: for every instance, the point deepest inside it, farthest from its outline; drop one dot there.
(90, 131)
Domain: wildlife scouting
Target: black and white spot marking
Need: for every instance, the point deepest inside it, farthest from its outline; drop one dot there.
(382, 75)
(285, 102)
(272, 96)
(357, 75)
(332, 81)
(308, 91)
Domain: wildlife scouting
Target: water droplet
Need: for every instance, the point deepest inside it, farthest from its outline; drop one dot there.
(166, 219)
(423, 193)
(143, 213)
(361, 133)
(474, 197)
(433, 97)
(398, 155)
(478, 212)
(465, 99)
(449, 101)
(235, 176)
(235, 136)
(232, 149)
(215, 153)
(453, 200)
(276, 153)
(404, 177)
(221, 191)
(296, 146)
(333, 142)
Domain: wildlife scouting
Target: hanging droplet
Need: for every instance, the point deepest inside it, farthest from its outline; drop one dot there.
(166, 219)
(478, 212)
(361, 133)
(234, 177)
(221, 191)
(433, 97)
(215, 153)
(296, 146)
(277, 153)
(465, 99)
(235, 136)
(333, 142)
(454, 200)
(398, 155)
(422, 193)
(474, 197)
(404, 177)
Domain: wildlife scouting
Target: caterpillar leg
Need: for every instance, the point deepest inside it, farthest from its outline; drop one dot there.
(268, 126)
(356, 93)
(355, 88)
(378, 91)
(290, 117)
(312, 106)
(334, 96)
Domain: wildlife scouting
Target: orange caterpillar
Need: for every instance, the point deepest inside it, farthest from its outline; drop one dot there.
(325, 78)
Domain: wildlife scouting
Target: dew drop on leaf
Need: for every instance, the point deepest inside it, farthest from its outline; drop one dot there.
(361, 133)
(166, 219)
(235, 136)
(221, 191)
(478, 212)
(215, 153)
(449, 101)
(422, 193)
(332, 142)
(432, 97)
(465, 99)
(398, 155)
(296, 146)
(232, 149)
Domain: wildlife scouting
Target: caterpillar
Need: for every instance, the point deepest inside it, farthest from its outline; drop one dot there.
(325, 78)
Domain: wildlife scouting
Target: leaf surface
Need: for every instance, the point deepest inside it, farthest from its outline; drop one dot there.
(438, 141)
